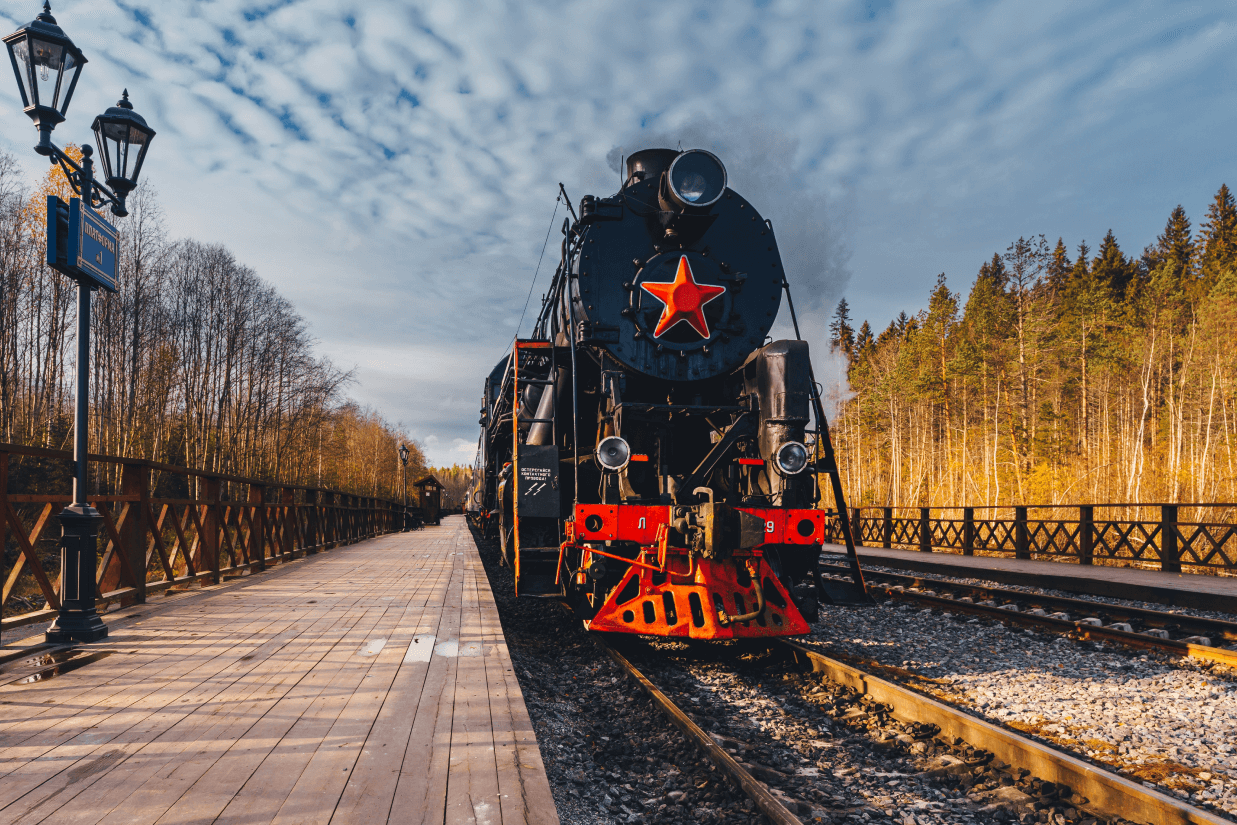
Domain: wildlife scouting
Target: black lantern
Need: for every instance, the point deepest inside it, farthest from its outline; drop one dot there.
(47, 65)
(403, 481)
(123, 138)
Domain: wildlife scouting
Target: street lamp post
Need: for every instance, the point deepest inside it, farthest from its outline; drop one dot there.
(403, 461)
(83, 246)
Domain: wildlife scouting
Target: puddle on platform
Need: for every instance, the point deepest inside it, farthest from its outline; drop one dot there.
(372, 648)
(420, 648)
(52, 657)
(57, 663)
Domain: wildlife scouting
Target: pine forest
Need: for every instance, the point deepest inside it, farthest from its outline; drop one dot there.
(1065, 377)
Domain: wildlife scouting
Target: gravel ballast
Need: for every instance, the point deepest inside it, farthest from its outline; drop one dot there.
(1171, 723)
(832, 756)
(610, 754)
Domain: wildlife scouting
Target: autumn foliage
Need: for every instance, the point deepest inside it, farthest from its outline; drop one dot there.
(1063, 378)
(196, 361)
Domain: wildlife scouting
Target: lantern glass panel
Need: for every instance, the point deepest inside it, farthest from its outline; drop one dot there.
(112, 145)
(64, 86)
(20, 52)
(47, 65)
(113, 155)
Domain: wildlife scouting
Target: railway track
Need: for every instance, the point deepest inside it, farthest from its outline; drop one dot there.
(765, 800)
(964, 745)
(1171, 633)
(826, 740)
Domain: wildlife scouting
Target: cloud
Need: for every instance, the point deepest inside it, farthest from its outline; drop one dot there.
(392, 167)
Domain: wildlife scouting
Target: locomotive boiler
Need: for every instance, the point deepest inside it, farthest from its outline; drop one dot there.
(647, 455)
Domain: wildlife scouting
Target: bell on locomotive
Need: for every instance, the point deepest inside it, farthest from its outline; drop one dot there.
(646, 455)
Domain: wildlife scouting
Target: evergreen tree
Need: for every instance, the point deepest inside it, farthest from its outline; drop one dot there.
(1111, 268)
(938, 326)
(1058, 269)
(903, 323)
(1080, 269)
(841, 335)
(994, 272)
(1084, 310)
(864, 342)
(889, 336)
(1218, 238)
(987, 307)
(1174, 246)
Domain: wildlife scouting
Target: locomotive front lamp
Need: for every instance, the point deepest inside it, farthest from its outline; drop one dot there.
(123, 138)
(47, 65)
(697, 179)
(791, 458)
(613, 453)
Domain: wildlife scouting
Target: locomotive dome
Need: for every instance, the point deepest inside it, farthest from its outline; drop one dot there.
(677, 276)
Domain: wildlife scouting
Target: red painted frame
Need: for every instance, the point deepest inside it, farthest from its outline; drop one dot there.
(648, 612)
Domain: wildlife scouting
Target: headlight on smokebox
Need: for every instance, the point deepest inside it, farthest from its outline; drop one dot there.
(697, 178)
(791, 458)
(613, 453)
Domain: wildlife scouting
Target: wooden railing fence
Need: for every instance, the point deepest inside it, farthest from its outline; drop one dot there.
(218, 526)
(1170, 537)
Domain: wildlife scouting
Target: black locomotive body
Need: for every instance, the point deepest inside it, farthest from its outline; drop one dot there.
(646, 454)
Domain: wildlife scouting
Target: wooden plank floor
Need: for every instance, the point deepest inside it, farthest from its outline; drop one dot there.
(369, 684)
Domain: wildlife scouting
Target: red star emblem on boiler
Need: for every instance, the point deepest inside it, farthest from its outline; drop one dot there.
(684, 300)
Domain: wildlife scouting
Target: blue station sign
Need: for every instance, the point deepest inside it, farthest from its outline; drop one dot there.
(81, 244)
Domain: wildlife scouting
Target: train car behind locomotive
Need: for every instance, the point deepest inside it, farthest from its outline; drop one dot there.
(646, 455)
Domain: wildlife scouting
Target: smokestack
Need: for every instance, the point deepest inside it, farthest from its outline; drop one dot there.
(648, 164)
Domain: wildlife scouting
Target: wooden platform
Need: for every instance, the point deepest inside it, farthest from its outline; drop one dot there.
(1177, 589)
(369, 684)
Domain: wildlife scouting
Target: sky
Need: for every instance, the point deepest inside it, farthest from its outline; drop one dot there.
(392, 167)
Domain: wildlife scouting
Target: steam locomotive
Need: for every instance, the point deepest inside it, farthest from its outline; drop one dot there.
(645, 455)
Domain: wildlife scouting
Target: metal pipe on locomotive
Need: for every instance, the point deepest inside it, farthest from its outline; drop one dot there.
(645, 454)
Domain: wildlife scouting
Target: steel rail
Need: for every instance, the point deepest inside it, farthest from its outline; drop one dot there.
(1074, 629)
(1215, 628)
(765, 800)
(1107, 793)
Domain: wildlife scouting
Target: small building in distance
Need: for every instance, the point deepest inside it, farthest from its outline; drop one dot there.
(429, 499)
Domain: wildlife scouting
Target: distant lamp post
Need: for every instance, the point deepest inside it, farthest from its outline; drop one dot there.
(82, 245)
(403, 461)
